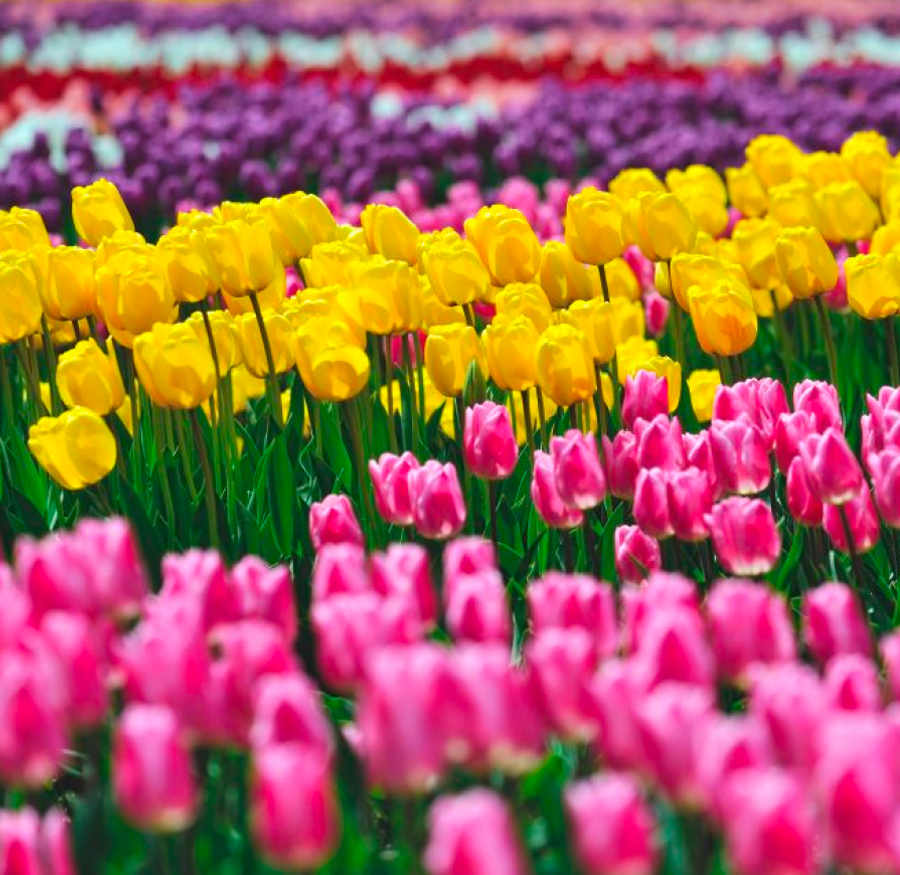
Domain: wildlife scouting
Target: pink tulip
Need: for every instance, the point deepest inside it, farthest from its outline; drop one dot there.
(790, 430)
(390, 483)
(861, 518)
(340, 569)
(690, 501)
(332, 521)
(547, 500)
(153, 781)
(15, 618)
(350, 628)
(833, 622)
(673, 648)
(31, 846)
(833, 471)
(294, 809)
(660, 444)
(201, 577)
(820, 401)
(881, 426)
(490, 448)
(851, 683)
(885, 468)
(636, 554)
(651, 503)
(661, 592)
(468, 555)
(473, 834)
(748, 625)
(577, 470)
(266, 593)
(803, 504)
(741, 457)
(759, 403)
(616, 691)
(621, 464)
(656, 313)
(770, 826)
(612, 828)
(288, 710)
(646, 397)
(439, 510)
(700, 455)
(641, 265)
(889, 648)
(574, 601)
(745, 536)
(476, 608)
(403, 570)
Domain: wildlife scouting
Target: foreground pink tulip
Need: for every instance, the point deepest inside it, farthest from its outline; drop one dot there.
(646, 397)
(660, 444)
(759, 403)
(621, 464)
(790, 430)
(673, 648)
(803, 504)
(31, 846)
(578, 472)
(266, 593)
(476, 608)
(201, 577)
(294, 812)
(661, 592)
(770, 825)
(332, 521)
(613, 829)
(833, 622)
(390, 483)
(340, 569)
(469, 555)
(861, 518)
(820, 401)
(852, 683)
(439, 510)
(637, 555)
(616, 692)
(547, 500)
(403, 570)
(473, 834)
(741, 457)
(690, 501)
(885, 469)
(651, 503)
(745, 536)
(489, 442)
(656, 313)
(153, 781)
(700, 455)
(833, 471)
(748, 625)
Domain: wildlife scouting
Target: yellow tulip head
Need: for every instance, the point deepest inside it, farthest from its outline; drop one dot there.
(525, 299)
(506, 244)
(22, 229)
(279, 332)
(632, 353)
(702, 387)
(76, 449)
(88, 377)
(511, 344)
(390, 232)
(225, 337)
(866, 152)
(98, 211)
(175, 366)
(886, 238)
(454, 270)
(564, 367)
(632, 181)
(333, 264)
(67, 292)
(449, 350)
(823, 168)
(847, 212)
(793, 204)
(805, 262)
(298, 222)
(873, 285)
(660, 225)
(594, 226)
(605, 324)
(388, 297)
(697, 176)
(244, 256)
(746, 191)
(119, 241)
(774, 158)
(20, 314)
(689, 269)
(332, 366)
(564, 279)
(754, 244)
(188, 264)
(724, 318)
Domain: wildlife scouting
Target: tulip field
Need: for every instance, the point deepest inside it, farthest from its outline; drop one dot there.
(442, 438)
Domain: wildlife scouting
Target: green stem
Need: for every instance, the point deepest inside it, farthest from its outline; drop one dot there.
(614, 377)
(50, 357)
(389, 382)
(784, 341)
(183, 447)
(217, 404)
(131, 389)
(542, 416)
(355, 427)
(529, 430)
(492, 504)
(210, 490)
(599, 403)
(892, 350)
(604, 283)
(31, 381)
(8, 407)
(590, 544)
(678, 328)
(825, 322)
(851, 547)
(568, 553)
(272, 378)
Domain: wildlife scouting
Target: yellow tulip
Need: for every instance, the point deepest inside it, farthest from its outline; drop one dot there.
(697, 175)
(244, 256)
(793, 204)
(847, 212)
(605, 324)
(279, 332)
(454, 270)
(805, 262)
(98, 211)
(506, 244)
(632, 353)
(297, 222)
(225, 338)
(866, 152)
(270, 298)
(594, 226)
(663, 366)
(724, 318)
(67, 292)
(660, 225)
(525, 299)
(20, 314)
(563, 365)
(196, 220)
(873, 285)
(120, 241)
(511, 344)
(702, 387)
(620, 279)
(886, 238)
(564, 279)
(890, 193)
(331, 368)
(631, 182)
(690, 269)
(174, 366)
(229, 211)
(746, 191)
(823, 168)
(774, 158)
(389, 232)
(765, 300)
(388, 297)
(333, 264)
(707, 211)
(22, 229)
(244, 388)
(449, 350)
(76, 449)
(88, 377)
(334, 302)
(185, 257)
(434, 312)
(754, 242)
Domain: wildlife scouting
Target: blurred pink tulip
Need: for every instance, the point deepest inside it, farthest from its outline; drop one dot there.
(820, 401)
(621, 464)
(439, 510)
(885, 470)
(656, 313)
(490, 448)
(835, 476)
(403, 570)
(745, 536)
(468, 555)
(201, 577)
(673, 648)
(332, 521)
(577, 470)
(852, 684)
(266, 593)
(32, 846)
(690, 501)
(637, 554)
(476, 608)
(803, 504)
(390, 484)
(662, 591)
(833, 622)
(740, 456)
(547, 500)
(861, 518)
(340, 569)
(616, 691)
(646, 397)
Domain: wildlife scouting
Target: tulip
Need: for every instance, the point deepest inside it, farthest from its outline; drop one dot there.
(288, 712)
(449, 352)
(659, 224)
(774, 158)
(454, 270)
(672, 648)
(866, 153)
(846, 212)
(331, 368)
(98, 211)
(468, 555)
(390, 233)
(606, 324)
(511, 347)
(87, 377)
(833, 622)
(594, 226)
(636, 554)
(745, 536)
(546, 497)
(689, 498)
(852, 683)
(820, 401)
(760, 403)
(646, 396)
(564, 367)
(34, 846)
(740, 457)
(651, 504)
(404, 571)
(489, 444)
(790, 430)
(792, 205)
(476, 608)
(746, 191)
(578, 472)
(805, 262)
(175, 366)
(616, 691)
(298, 221)
(294, 812)
(689, 269)
(703, 386)
(388, 299)
(833, 470)
(803, 504)
(506, 244)
(332, 521)
(266, 593)
(885, 469)
(621, 464)
(439, 509)
(340, 569)
(76, 448)
(632, 181)
(656, 314)
(67, 292)
(660, 444)
(724, 318)
(633, 353)
(889, 649)
(564, 278)
(390, 482)
(153, 782)
(186, 261)
(662, 591)
(857, 519)
(20, 315)
(754, 249)
(22, 229)
(244, 256)
(473, 833)
(279, 333)
(613, 829)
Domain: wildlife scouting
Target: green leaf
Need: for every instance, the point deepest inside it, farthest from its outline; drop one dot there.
(607, 543)
(281, 486)
(146, 531)
(335, 449)
(790, 561)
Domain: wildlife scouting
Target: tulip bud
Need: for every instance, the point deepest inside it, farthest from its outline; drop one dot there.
(820, 401)
(266, 593)
(617, 690)
(690, 500)
(746, 191)
(545, 495)
(340, 569)
(672, 647)
(885, 468)
(68, 288)
(20, 315)
(332, 521)
(511, 346)
(745, 536)
(489, 443)
(244, 257)
(661, 591)
(833, 622)
(288, 711)
(564, 367)
(578, 472)
(803, 505)
(506, 244)
(805, 262)
(628, 844)
(852, 683)
(476, 608)
(454, 270)
(759, 403)
(637, 555)
(621, 464)
(594, 226)
(449, 351)
(790, 430)
(76, 449)
(87, 377)
(185, 258)
(35, 847)
(740, 457)
(469, 555)
(774, 158)
(439, 509)
(98, 211)
(403, 570)
(564, 278)
(390, 483)
(660, 444)
(651, 503)
(175, 366)
(299, 221)
(294, 810)
(859, 516)
(846, 212)
(390, 233)
(646, 396)
(724, 318)
(656, 314)
(833, 470)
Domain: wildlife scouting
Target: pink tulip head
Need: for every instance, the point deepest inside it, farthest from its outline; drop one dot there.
(820, 401)
(646, 397)
(852, 683)
(673, 648)
(439, 509)
(748, 625)
(745, 536)
(574, 601)
(620, 462)
(756, 402)
(266, 593)
(700, 455)
(626, 843)
(153, 780)
(340, 569)
(885, 470)
(642, 267)
(201, 577)
(294, 813)
(617, 690)
(403, 570)
(790, 430)
(637, 554)
(803, 504)
(889, 648)
(490, 448)
(741, 457)
(468, 555)
(32, 846)
(770, 824)
(661, 591)
(390, 484)
(332, 521)
(660, 444)
(651, 503)
(690, 501)
(860, 515)
(473, 834)
(578, 472)
(476, 608)
(547, 500)
(656, 313)
(833, 622)
(834, 472)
